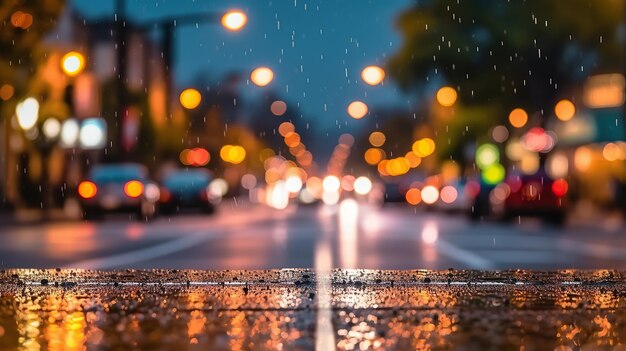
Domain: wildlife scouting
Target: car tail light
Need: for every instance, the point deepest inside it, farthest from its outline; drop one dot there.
(560, 187)
(165, 195)
(133, 188)
(87, 189)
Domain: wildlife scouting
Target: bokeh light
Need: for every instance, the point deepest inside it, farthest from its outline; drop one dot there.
(51, 128)
(493, 174)
(564, 110)
(331, 184)
(487, 155)
(530, 163)
(362, 185)
(234, 154)
(373, 156)
(413, 196)
(560, 187)
(373, 75)
(278, 108)
(248, 181)
(448, 194)
(377, 139)
(286, 128)
(6, 92)
(20, 19)
(424, 147)
(446, 96)
(430, 194)
(518, 118)
(557, 165)
(499, 134)
(133, 188)
(190, 98)
(613, 152)
(27, 113)
(234, 20)
(583, 157)
(413, 159)
(357, 109)
(262, 76)
(87, 189)
(73, 63)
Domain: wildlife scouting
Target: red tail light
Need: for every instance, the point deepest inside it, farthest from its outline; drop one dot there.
(560, 187)
(165, 196)
(133, 188)
(87, 189)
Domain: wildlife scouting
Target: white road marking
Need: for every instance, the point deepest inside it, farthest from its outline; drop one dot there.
(183, 242)
(468, 258)
(324, 333)
(128, 258)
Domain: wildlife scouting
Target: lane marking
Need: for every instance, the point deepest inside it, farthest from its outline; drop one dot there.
(127, 258)
(469, 258)
(324, 333)
(167, 248)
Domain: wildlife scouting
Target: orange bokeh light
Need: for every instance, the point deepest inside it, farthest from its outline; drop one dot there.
(518, 118)
(133, 188)
(357, 109)
(413, 196)
(87, 189)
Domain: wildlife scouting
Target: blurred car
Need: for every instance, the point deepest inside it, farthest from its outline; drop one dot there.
(186, 188)
(534, 195)
(123, 187)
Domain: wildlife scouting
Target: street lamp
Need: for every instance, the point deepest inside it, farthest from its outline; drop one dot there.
(73, 63)
(234, 20)
(262, 76)
(373, 75)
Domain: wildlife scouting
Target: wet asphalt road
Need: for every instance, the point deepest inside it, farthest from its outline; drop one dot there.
(350, 235)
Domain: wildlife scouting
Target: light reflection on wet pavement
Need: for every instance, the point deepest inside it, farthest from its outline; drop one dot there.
(280, 309)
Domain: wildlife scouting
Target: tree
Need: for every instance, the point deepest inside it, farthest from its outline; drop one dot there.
(517, 53)
(24, 25)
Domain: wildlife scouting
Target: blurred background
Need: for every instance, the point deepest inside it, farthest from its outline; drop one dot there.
(261, 134)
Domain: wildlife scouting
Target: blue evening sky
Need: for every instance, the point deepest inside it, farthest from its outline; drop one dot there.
(316, 49)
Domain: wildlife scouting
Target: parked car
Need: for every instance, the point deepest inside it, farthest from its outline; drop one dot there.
(536, 195)
(123, 187)
(186, 188)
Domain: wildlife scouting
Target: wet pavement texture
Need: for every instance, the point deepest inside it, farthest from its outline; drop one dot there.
(297, 309)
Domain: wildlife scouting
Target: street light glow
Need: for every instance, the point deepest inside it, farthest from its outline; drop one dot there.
(377, 139)
(93, 133)
(69, 133)
(27, 113)
(262, 76)
(357, 109)
(446, 96)
(373, 75)
(234, 20)
(73, 63)
(518, 118)
(51, 128)
(564, 110)
(190, 98)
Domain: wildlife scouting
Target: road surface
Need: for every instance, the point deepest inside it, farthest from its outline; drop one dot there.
(245, 236)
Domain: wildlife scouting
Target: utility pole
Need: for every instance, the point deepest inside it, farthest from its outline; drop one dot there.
(120, 84)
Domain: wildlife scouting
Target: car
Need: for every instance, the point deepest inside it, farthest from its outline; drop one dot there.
(535, 195)
(121, 187)
(186, 188)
